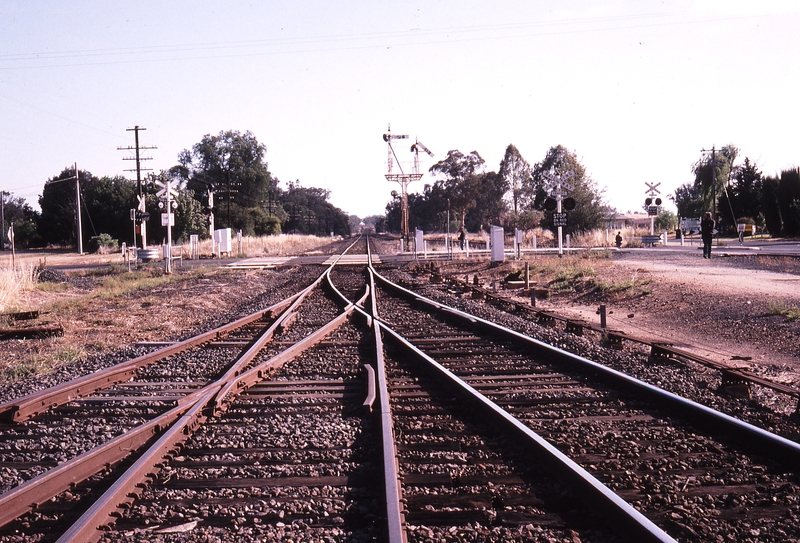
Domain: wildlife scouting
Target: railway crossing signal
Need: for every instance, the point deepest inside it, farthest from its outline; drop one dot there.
(168, 193)
(558, 184)
(652, 210)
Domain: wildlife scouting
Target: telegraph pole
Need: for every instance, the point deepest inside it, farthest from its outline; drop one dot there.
(77, 180)
(78, 209)
(2, 220)
(713, 180)
(138, 170)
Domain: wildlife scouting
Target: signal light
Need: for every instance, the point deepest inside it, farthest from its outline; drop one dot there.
(648, 201)
(569, 203)
(658, 201)
(550, 204)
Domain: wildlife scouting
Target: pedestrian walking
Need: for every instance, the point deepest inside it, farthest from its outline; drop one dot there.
(462, 237)
(707, 233)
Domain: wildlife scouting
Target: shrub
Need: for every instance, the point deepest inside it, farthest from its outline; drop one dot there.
(103, 244)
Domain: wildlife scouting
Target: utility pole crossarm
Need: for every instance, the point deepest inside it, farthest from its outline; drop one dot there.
(138, 158)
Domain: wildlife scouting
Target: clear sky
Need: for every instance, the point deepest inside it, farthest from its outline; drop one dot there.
(635, 88)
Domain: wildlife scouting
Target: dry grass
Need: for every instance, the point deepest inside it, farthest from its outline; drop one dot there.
(605, 237)
(789, 312)
(15, 282)
(89, 316)
(280, 245)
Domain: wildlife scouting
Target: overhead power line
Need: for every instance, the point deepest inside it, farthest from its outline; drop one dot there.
(307, 44)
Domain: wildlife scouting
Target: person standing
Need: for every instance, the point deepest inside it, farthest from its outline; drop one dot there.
(707, 233)
(462, 236)
(618, 240)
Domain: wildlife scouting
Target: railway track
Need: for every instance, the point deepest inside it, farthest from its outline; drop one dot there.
(298, 423)
(696, 473)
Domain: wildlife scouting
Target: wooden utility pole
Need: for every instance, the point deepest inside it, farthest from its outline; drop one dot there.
(2, 220)
(78, 209)
(140, 204)
(79, 230)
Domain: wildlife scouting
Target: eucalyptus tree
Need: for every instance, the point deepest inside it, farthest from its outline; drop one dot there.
(232, 165)
(460, 184)
(789, 201)
(16, 210)
(712, 173)
(590, 208)
(515, 172)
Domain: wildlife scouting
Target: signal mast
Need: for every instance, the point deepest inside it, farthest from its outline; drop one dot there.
(402, 178)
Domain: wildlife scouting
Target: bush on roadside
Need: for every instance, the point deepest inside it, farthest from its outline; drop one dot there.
(103, 244)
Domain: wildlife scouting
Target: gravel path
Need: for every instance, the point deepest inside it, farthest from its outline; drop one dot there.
(726, 308)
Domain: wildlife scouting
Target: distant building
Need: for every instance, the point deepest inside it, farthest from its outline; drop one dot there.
(618, 221)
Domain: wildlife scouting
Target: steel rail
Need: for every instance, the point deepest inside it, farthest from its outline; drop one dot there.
(34, 492)
(247, 379)
(88, 528)
(212, 400)
(593, 491)
(657, 348)
(597, 495)
(33, 404)
(27, 496)
(749, 434)
(393, 492)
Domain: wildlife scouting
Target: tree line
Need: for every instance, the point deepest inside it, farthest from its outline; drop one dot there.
(741, 193)
(514, 196)
(230, 167)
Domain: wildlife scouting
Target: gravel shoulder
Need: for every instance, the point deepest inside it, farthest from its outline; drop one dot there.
(726, 308)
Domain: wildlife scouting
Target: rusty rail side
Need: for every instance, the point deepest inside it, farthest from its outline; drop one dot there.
(27, 496)
(616, 337)
(49, 484)
(105, 510)
(29, 406)
(127, 488)
(393, 489)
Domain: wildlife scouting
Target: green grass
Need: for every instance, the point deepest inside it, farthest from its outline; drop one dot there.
(613, 287)
(119, 284)
(52, 287)
(565, 278)
(790, 313)
(116, 285)
(41, 365)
